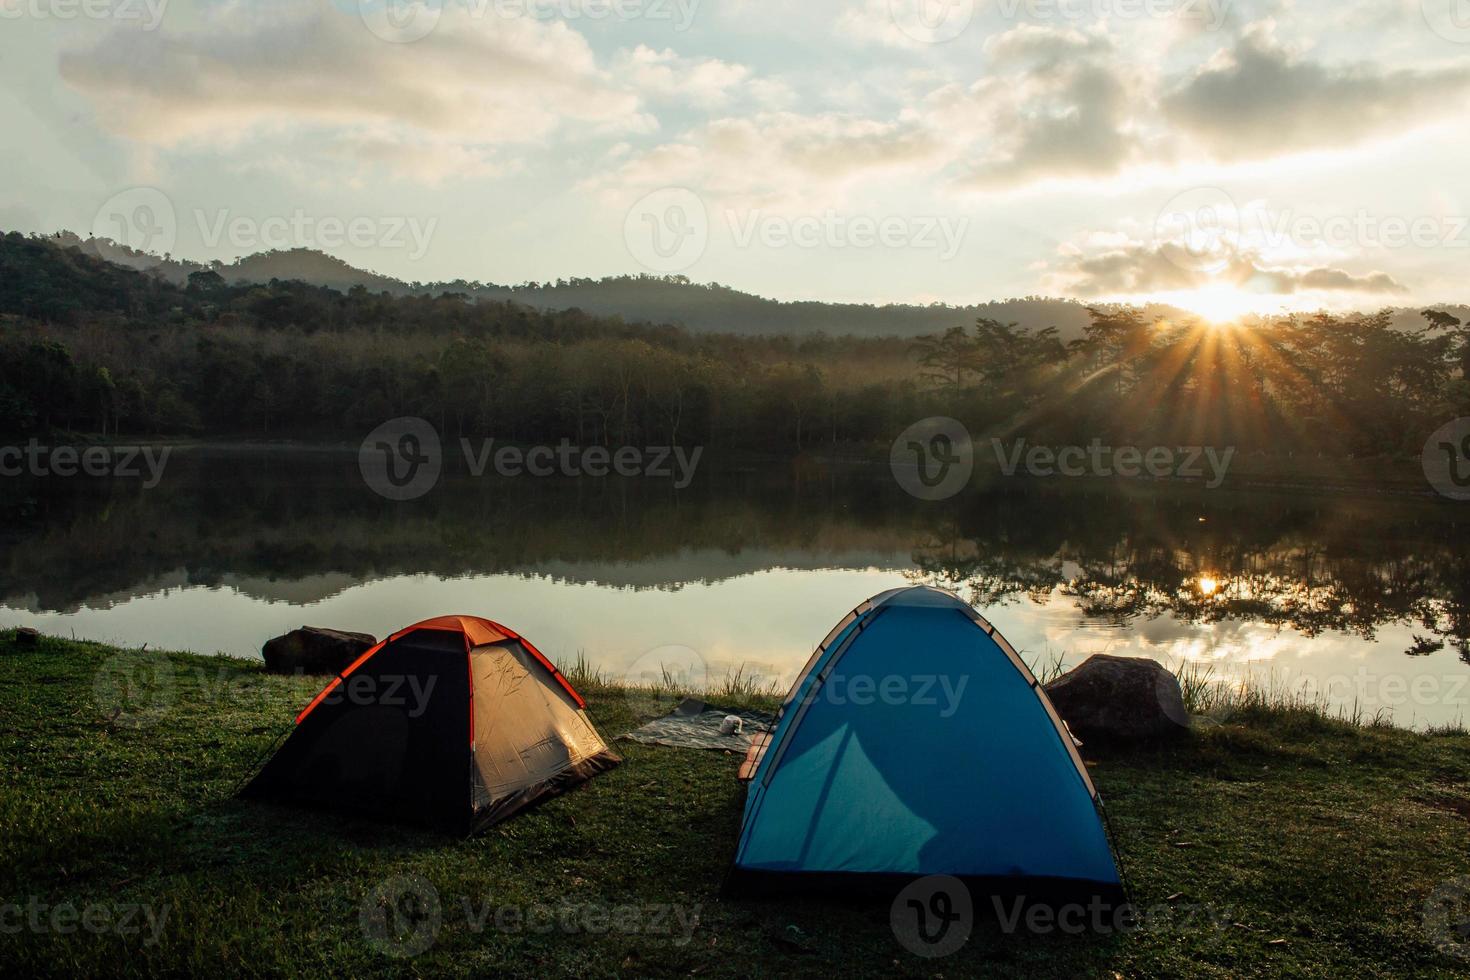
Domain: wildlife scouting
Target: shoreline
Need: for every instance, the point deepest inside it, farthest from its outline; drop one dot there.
(1267, 473)
(1212, 696)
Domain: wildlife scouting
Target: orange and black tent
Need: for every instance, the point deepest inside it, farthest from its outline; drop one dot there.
(455, 723)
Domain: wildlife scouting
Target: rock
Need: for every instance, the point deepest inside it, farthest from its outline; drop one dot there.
(1120, 698)
(313, 650)
(26, 637)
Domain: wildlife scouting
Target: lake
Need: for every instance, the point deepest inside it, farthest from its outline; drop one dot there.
(753, 563)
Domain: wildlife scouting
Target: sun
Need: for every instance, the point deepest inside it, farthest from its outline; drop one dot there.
(1208, 584)
(1218, 304)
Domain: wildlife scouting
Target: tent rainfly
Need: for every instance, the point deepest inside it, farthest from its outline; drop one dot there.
(455, 723)
(916, 742)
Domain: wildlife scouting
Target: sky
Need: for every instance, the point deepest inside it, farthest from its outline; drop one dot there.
(1226, 155)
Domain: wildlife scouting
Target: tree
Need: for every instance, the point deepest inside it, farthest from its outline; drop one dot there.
(1115, 340)
(469, 372)
(105, 393)
(1459, 347)
(945, 358)
(206, 282)
(17, 414)
(48, 376)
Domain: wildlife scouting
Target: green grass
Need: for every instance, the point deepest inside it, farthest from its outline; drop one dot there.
(1281, 842)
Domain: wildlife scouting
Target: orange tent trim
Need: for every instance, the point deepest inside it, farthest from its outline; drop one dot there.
(477, 631)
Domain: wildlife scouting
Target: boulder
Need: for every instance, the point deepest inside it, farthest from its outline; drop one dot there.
(313, 650)
(1119, 698)
(26, 637)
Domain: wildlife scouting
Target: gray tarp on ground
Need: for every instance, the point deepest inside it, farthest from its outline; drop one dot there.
(696, 725)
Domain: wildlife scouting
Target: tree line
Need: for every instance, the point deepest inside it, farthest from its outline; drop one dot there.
(1322, 384)
(89, 347)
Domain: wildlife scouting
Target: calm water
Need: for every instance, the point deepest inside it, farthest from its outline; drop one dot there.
(752, 566)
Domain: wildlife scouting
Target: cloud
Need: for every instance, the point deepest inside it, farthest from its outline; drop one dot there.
(262, 72)
(1032, 42)
(1055, 104)
(704, 82)
(1134, 268)
(1059, 102)
(428, 161)
(1333, 280)
(1262, 99)
(772, 157)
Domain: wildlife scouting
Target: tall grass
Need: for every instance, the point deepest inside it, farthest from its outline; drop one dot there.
(581, 674)
(1048, 667)
(1206, 692)
(1254, 695)
(1251, 695)
(743, 684)
(1197, 685)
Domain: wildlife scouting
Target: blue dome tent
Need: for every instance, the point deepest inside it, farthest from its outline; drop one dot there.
(916, 742)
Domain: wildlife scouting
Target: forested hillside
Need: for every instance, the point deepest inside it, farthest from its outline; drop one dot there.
(701, 307)
(87, 346)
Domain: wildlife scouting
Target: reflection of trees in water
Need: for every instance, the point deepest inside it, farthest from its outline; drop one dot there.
(287, 517)
(1348, 565)
(1120, 552)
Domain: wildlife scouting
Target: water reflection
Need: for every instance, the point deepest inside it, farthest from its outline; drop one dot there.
(752, 563)
(1314, 564)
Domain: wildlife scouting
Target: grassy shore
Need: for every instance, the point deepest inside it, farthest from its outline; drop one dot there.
(1279, 843)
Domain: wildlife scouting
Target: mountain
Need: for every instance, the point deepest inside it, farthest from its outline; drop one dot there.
(716, 308)
(701, 307)
(304, 264)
